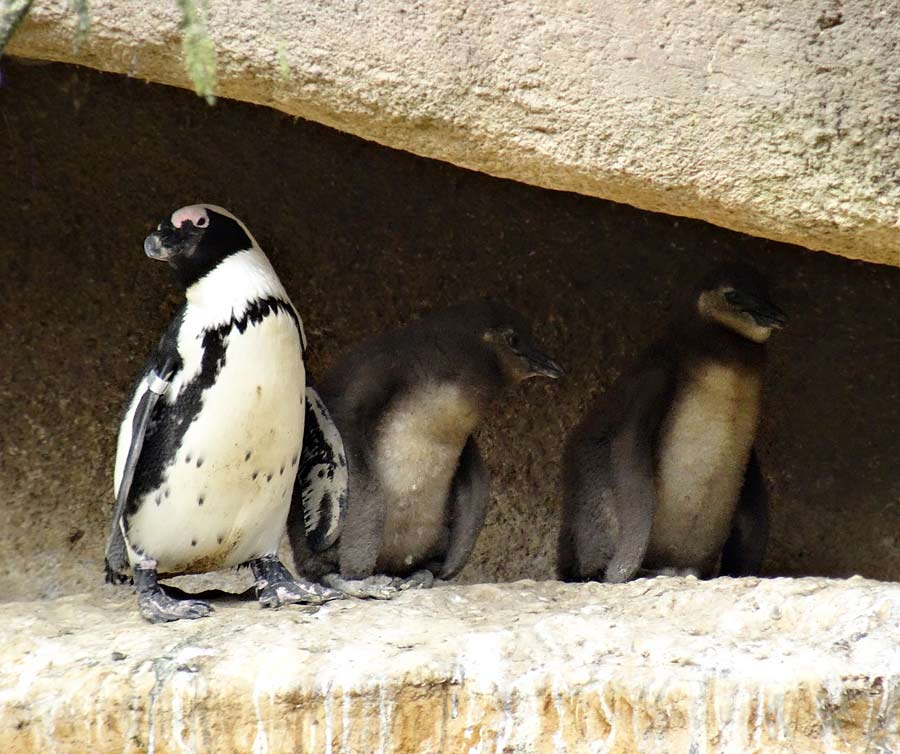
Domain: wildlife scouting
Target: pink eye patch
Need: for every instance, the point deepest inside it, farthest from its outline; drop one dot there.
(196, 214)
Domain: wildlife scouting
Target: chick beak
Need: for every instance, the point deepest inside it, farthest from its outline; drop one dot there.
(543, 366)
(768, 315)
(764, 312)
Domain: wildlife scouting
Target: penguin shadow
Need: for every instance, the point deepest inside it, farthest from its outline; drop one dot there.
(224, 598)
(219, 595)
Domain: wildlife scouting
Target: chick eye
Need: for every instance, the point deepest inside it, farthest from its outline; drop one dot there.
(512, 339)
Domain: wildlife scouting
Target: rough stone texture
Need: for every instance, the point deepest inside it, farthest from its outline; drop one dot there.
(776, 119)
(663, 666)
(364, 237)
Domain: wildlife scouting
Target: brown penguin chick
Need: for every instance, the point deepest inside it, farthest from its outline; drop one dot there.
(406, 404)
(662, 476)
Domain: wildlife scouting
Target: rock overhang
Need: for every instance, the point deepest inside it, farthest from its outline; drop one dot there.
(780, 121)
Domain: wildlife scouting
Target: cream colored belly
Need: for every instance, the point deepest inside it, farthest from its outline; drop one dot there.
(706, 441)
(417, 455)
(226, 497)
(415, 529)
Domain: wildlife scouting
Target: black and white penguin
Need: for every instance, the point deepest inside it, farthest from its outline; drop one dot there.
(406, 404)
(211, 440)
(662, 477)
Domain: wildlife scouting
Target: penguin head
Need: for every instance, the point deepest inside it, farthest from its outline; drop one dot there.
(737, 298)
(195, 239)
(508, 336)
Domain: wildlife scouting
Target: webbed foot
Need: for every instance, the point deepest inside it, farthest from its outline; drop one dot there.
(378, 587)
(650, 573)
(423, 579)
(158, 607)
(275, 587)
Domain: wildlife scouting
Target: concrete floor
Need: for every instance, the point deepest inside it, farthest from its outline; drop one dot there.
(364, 237)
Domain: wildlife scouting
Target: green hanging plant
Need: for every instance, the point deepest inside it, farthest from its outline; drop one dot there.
(196, 45)
(80, 7)
(10, 17)
(198, 49)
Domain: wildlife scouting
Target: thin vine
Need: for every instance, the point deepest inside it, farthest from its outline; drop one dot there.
(196, 45)
(10, 17)
(198, 49)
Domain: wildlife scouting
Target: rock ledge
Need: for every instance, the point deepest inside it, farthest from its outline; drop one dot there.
(668, 665)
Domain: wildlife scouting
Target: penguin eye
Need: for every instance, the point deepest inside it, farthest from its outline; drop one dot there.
(734, 298)
(202, 222)
(512, 339)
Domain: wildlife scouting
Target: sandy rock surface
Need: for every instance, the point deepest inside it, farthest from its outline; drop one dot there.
(669, 665)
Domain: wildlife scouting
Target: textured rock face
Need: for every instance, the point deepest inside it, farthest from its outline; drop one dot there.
(779, 120)
(364, 237)
(663, 666)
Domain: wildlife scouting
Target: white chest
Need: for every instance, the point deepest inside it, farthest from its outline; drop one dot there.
(226, 495)
(705, 443)
(417, 454)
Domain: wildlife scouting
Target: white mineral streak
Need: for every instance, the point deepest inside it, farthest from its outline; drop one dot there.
(776, 119)
(661, 666)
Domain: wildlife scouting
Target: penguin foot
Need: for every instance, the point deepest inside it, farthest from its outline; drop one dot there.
(378, 587)
(275, 587)
(161, 608)
(158, 607)
(650, 573)
(423, 579)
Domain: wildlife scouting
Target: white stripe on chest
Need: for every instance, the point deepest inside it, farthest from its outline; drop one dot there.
(705, 443)
(417, 454)
(226, 496)
(223, 295)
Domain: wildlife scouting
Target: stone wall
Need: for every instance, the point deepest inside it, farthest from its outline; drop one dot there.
(777, 119)
(364, 237)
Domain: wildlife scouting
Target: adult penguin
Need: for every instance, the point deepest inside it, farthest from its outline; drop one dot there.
(211, 440)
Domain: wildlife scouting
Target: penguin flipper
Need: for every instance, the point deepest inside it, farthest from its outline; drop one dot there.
(469, 496)
(745, 549)
(320, 490)
(632, 464)
(153, 385)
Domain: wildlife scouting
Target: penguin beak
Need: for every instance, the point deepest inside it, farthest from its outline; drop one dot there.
(155, 248)
(764, 313)
(769, 315)
(540, 365)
